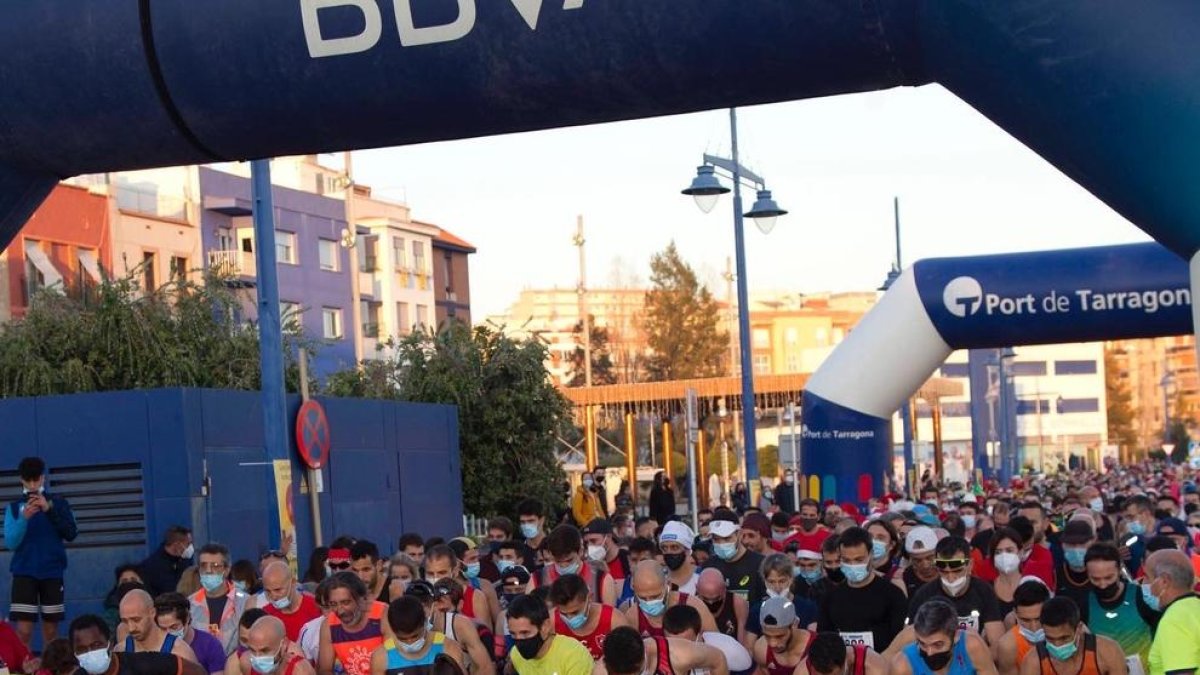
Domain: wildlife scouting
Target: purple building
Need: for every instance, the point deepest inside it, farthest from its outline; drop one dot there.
(314, 270)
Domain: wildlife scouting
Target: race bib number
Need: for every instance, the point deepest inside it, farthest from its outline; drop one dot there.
(1134, 663)
(866, 638)
(969, 622)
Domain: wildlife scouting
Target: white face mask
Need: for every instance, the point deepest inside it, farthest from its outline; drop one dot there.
(955, 587)
(596, 553)
(188, 552)
(1007, 563)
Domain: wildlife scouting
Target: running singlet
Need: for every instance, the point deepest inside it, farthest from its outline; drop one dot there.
(398, 663)
(353, 650)
(167, 645)
(1022, 644)
(648, 629)
(593, 642)
(663, 666)
(960, 661)
(774, 667)
(1091, 666)
(726, 618)
(1123, 623)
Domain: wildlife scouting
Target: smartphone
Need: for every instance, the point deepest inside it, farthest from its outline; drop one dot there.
(1130, 541)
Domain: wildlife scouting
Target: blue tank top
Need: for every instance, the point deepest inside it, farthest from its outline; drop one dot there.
(398, 662)
(167, 646)
(960, 661)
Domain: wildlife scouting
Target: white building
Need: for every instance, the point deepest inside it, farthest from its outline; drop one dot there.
(1061, 410)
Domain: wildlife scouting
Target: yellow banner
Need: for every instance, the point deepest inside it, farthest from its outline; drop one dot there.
(287, 518)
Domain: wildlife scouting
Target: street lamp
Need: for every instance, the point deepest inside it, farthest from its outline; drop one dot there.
(706, 187)
(1008, 444)
(1168, 379)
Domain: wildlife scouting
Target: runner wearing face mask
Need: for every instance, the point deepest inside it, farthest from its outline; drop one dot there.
(783, 645)
(941, 648)
(729, 611)
(738, 565)
(415, 646)
(675, 543)
(811, 533)
(1069, 648)
(565, 547)
(1016, 643)
(779, 575)
(576, 616)
(974, 600)
(866, 609)
(653, 595)
(603, 550)
(919, 544)
(1114, 608)
(1073, 582)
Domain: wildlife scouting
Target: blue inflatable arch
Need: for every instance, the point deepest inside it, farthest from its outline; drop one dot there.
(943, 304)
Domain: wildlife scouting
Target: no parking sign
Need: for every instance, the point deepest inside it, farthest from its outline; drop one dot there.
(312, 434)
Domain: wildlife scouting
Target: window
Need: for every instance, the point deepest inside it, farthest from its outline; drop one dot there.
(331, 320)
(399, 257)
(1079, 405)
(371, 321)
(1074, 367)
(290, 316)
(422, 317)
(402, 324)
(762, 364)
(791, 336)
(448, 269)
(956, 409)
(1033, 406)
(329, 253)
(179, 269)
(148, 271)
(285, 247)
(1029, 368)
(762, 338)
(224, 239)
(956, 370)
(418, 257)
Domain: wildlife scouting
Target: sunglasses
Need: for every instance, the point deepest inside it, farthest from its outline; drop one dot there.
(953, 565)
(272, 554)
(339, 567)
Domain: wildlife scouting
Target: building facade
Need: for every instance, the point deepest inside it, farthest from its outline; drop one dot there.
(65, 244)
(1161, 377)
(451, 277)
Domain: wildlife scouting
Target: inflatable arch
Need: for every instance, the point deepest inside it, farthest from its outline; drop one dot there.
(943, 304)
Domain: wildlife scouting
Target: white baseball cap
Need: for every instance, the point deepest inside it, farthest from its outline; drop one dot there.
(722, 528)
(677, 532)
(920, 539)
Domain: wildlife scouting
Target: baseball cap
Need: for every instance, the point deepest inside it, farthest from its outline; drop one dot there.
(420, 589)
(722, 528)
(598, 526)
(338, 555)
(516, 575)
(1173, 526)
(1077, 532)
(677, 532)
(920, 539)
(778, 613)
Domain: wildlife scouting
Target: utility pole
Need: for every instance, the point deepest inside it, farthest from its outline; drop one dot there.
(350, 241)
(733, 336)
(583, 305)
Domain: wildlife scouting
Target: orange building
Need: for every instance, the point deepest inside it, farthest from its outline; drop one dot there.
(64, 244)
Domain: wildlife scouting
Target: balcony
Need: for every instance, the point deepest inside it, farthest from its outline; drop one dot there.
(232, 263)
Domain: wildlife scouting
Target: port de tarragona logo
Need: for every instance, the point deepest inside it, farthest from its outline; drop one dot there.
(963, 296)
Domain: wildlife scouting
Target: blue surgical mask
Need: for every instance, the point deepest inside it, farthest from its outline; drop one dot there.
(1074, 557)
(505, 565)
(472, 570)
(1151, 599)
(263, 664)
(1038, 635)
(576, 621)
(725, 551)
(879, 549)
(411, 647)
(96, 661)
(653, 607)
(811, 576)
(573, 568)
(1136, 527)
(212, 582)
(855, 573)
(529, 530)
(240, 585)
(969, 522)
(1062, 652)
(282, 603)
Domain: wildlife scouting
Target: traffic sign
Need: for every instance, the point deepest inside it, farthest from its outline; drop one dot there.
(312, 434)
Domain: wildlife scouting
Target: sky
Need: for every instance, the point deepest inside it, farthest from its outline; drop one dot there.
(965, 186)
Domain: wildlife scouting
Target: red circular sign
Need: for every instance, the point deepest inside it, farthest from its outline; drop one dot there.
(312, 434)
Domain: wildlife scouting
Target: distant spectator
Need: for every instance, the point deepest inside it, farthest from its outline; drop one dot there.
(36, 527)
(244, 576)
(161, 570)
(125, 578)
(58, 658)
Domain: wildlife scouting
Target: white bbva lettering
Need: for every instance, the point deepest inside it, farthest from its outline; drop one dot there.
(319, 46)
(411, 36)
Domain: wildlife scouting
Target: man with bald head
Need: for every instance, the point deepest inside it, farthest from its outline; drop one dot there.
(267, 651)
(728, 609)
(141, 631)
(652, 596)
(1167, 587)
(285, 601)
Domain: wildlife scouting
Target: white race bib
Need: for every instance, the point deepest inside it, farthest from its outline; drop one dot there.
(1134, 663)
(863, 638)
(969, 622)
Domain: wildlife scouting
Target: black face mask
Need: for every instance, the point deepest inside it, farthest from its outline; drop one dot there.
(674, 560)
(937, 661)
(836, 575)
(714, 607)
(1109, 593)
(809, 524)
(529, 647)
